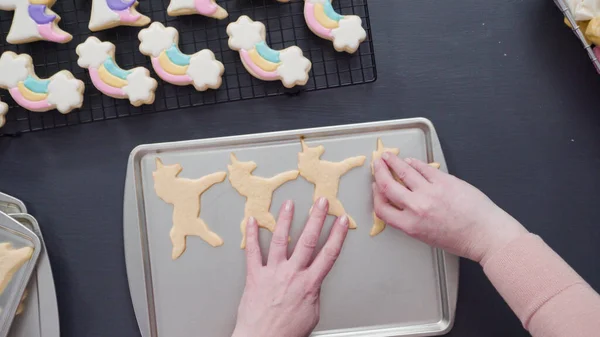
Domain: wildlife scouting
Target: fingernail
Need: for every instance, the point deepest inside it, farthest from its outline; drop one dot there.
(385, 156)
(408, 160)
(288, 206)
(344, 220)
(322, 202)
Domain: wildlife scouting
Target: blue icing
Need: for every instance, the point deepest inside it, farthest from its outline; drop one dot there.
(330, 12)
(36, 85)
(114, 69)
(267, 53)
(177, 57)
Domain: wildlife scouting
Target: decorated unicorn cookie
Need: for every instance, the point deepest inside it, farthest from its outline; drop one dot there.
(134, 84)
(345, 31)
(203, 7)
(287, 65)
(200, 69)
(33, 21)
(112, 13)
(61, 91)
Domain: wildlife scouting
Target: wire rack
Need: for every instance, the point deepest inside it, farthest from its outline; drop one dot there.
(285, 27)
(576, 29)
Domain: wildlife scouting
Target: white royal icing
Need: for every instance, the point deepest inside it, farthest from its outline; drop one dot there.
(65, 92)
(317, 1)
(140, 86)
(156, 38)
(23, 28)
(102, 15)
(204, 70)
(13, 69)
(587, 10)
(3, 111)
(92, 53)
(245, 33)
(349, 34)
(177, 5)
(294, 67)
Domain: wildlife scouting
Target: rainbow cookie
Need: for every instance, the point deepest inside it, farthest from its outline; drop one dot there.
(345, 31)
(287, 65)
(34, 21)
(3, 111)
(61, 91)
(112, 13)
(99, 58)
(200, 69)
(203, 7)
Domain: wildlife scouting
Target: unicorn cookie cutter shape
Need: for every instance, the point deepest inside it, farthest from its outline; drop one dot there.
(107, 14)
(34, 21)
(203, 7)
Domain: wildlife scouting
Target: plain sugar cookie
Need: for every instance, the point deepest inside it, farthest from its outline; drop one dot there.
(325, 175)
(184, 194)
(99, 58)
(112, 13)
(258, 192)
(203, 7)
(34, 21)
(288, 65)
(201, 69)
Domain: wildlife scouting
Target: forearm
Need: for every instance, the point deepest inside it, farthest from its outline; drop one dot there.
(547, 295)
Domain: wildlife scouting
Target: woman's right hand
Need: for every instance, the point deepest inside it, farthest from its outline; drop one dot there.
(440, 209)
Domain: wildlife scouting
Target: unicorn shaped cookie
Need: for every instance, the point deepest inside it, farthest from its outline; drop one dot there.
(325, 175)
(61, 91)
(200, 69)
(184, 194)
(288, 65)
(258, 192)
(112, 13)
(34, 21)
(345, 31)
(99, 58)
(203, 7)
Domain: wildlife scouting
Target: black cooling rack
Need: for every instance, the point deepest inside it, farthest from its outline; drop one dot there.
(285, 27)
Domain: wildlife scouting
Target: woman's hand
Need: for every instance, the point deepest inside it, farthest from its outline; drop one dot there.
(281, 299)
(440, 209)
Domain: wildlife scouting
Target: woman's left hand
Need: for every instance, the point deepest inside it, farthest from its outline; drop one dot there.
(282, 298)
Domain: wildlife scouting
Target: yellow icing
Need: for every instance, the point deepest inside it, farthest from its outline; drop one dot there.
(171, 67)
(323, 19)
(261, 62)
(110, 79)
(41, 2)
(30, 95)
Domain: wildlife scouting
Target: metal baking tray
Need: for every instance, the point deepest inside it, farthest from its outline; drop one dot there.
(40, 316)
(562, 5)
(388, 285)
(20, 236)
(10, 204)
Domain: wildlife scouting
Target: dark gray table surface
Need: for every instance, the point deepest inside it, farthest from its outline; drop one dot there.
(512, 94)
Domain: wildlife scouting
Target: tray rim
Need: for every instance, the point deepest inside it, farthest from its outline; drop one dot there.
(447, 264)
(15, 201)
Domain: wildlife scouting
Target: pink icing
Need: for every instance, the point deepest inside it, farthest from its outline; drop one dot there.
(27, 104)
(126, 16)
(49, 34)
(205, 7)
(175, 79)
(315, 26)
(105, 88)
(263, 75)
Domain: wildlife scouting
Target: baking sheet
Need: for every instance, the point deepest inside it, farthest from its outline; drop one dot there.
(389, 285)
(40, 316)
(10, 204)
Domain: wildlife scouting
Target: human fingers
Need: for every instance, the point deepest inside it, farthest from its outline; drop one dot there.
(279, 241)
(390, 214)
(310, 235)
(253, 255)
(326, 258)
(428, 171)
(388, 186)
(406, 173)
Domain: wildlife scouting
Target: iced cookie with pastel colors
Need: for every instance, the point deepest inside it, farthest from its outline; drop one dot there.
(288, 65)
(345, 31)
(208, 8)
(133, 84)
(33, 21)
(107, 14)
(60, 91)
(3, 111)
(201, 69)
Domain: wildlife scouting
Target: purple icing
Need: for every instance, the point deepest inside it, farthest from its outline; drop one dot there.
(118, 5)
(38, 14)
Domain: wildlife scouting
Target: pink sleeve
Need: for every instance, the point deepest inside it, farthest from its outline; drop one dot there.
(548, 296)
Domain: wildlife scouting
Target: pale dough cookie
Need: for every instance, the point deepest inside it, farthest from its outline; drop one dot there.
(200, 69)
(258, 192)
(34, 21)
(184, 194)
(203, 7)
(112, 13)
(592, 31)
(378, 224)
(3, 111)
(345, 31)
(325, 175)
(288, 65)
(10, 261)
(61, 91)
(134, 84)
